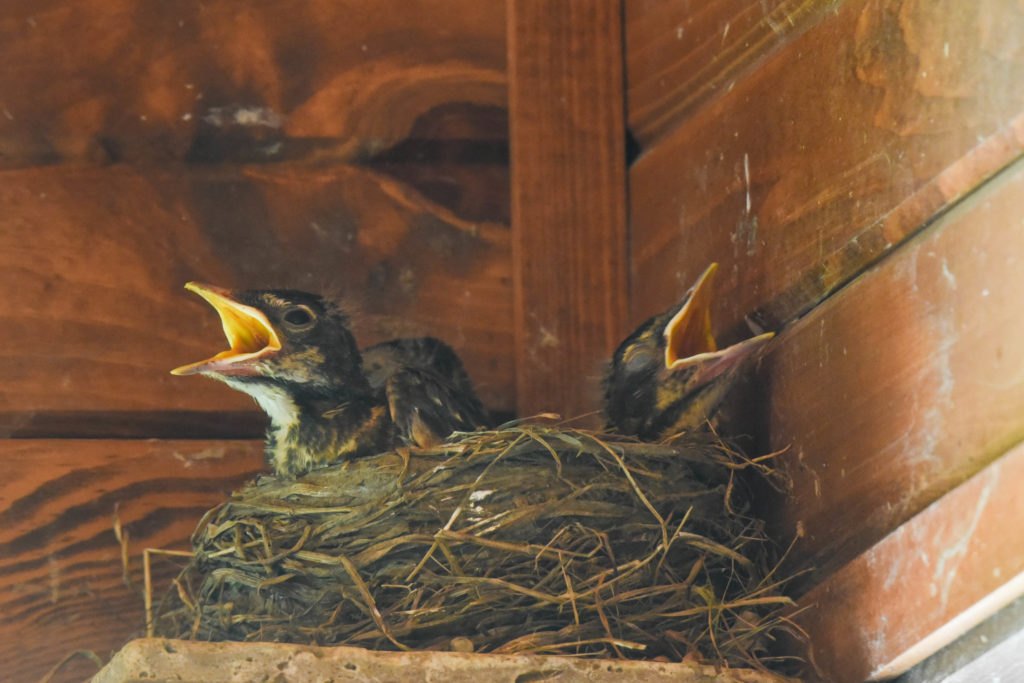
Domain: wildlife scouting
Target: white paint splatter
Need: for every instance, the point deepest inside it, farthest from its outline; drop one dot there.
(959, 549)
(946, 273)
(746, 177)
(547, 337)
(243, 116)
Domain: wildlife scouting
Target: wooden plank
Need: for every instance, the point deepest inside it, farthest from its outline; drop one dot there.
(681, 53)
(931, 580)
(61, 586)
(903, 384)
(456, 156)
(568, 198)
(162, 659)
(248, 423)
(235, 80)
(840, 146)
(93, 261)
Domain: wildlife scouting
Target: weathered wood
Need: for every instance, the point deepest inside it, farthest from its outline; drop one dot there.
(681, 53)
(237, 80)
(456, 156)
(61, 586)
(93, 261)
(164, 659)
(135, 424)
(905, 383)
(568, 198)
(944, 571)
(840, 146)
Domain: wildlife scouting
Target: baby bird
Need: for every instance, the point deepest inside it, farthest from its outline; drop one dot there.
(294, 354)
(669, 375)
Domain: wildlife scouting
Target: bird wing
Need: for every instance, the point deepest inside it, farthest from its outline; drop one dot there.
(426, 409)
(426, 387)
(382, 360)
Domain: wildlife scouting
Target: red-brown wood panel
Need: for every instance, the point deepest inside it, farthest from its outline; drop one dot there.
(568, 198)
(681, 53)
(926, 583)
(129, 80)
(903, 384)
(92, 263)
(61, 586)
(357, 149)
(839, 146)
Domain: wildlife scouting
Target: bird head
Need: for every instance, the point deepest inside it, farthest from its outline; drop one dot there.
(669, 375)
(281, 339)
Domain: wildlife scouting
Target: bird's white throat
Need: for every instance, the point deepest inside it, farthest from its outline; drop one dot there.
(274, 401)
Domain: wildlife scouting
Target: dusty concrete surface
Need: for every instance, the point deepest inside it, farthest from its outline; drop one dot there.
(153, 660)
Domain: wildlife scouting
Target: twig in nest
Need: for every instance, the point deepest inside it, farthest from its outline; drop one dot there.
(522, 539)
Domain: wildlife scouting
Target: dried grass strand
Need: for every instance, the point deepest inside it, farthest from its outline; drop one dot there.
(527, 538)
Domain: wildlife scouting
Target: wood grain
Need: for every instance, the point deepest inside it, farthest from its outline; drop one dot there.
(456, 156)
(841, 145)
(568, 198)
(237, 80)
(926, 583)
(92, 261)
(681, 53)
(61, 586)
(905, 383)
(166, 659)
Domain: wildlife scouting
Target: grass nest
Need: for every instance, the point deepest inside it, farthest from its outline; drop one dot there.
(525, 539)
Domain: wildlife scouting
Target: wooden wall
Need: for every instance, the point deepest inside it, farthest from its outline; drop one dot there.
(853, 168)
(459, 168)
(355, 148)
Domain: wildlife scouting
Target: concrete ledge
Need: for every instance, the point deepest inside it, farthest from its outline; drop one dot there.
(152, 660)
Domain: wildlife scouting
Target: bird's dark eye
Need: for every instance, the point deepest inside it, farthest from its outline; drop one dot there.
(298, 316)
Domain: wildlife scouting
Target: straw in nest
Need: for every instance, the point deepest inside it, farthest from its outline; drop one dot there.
(526, 539)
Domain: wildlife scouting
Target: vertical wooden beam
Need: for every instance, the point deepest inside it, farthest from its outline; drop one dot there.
(568, 198)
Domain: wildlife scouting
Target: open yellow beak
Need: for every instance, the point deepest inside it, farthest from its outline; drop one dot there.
(688, 333)
(247, 329)
(689, 341)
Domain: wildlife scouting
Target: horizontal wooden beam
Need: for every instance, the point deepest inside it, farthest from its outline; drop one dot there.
(852, 135)
(61, 584)
(947, 569)
(903, 384)
(165, 659)
(135, 424)
(237, 81)
(94, 260)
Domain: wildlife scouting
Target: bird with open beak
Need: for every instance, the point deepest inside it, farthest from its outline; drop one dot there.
(669, 376)
(294, 354)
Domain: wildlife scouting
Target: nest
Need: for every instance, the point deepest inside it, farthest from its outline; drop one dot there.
(526, 539)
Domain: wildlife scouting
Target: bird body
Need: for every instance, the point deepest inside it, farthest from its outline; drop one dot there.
(294, 354)
(669, 375)
(427, 387)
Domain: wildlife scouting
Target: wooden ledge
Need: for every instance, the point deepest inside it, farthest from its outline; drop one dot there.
(158, 659)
